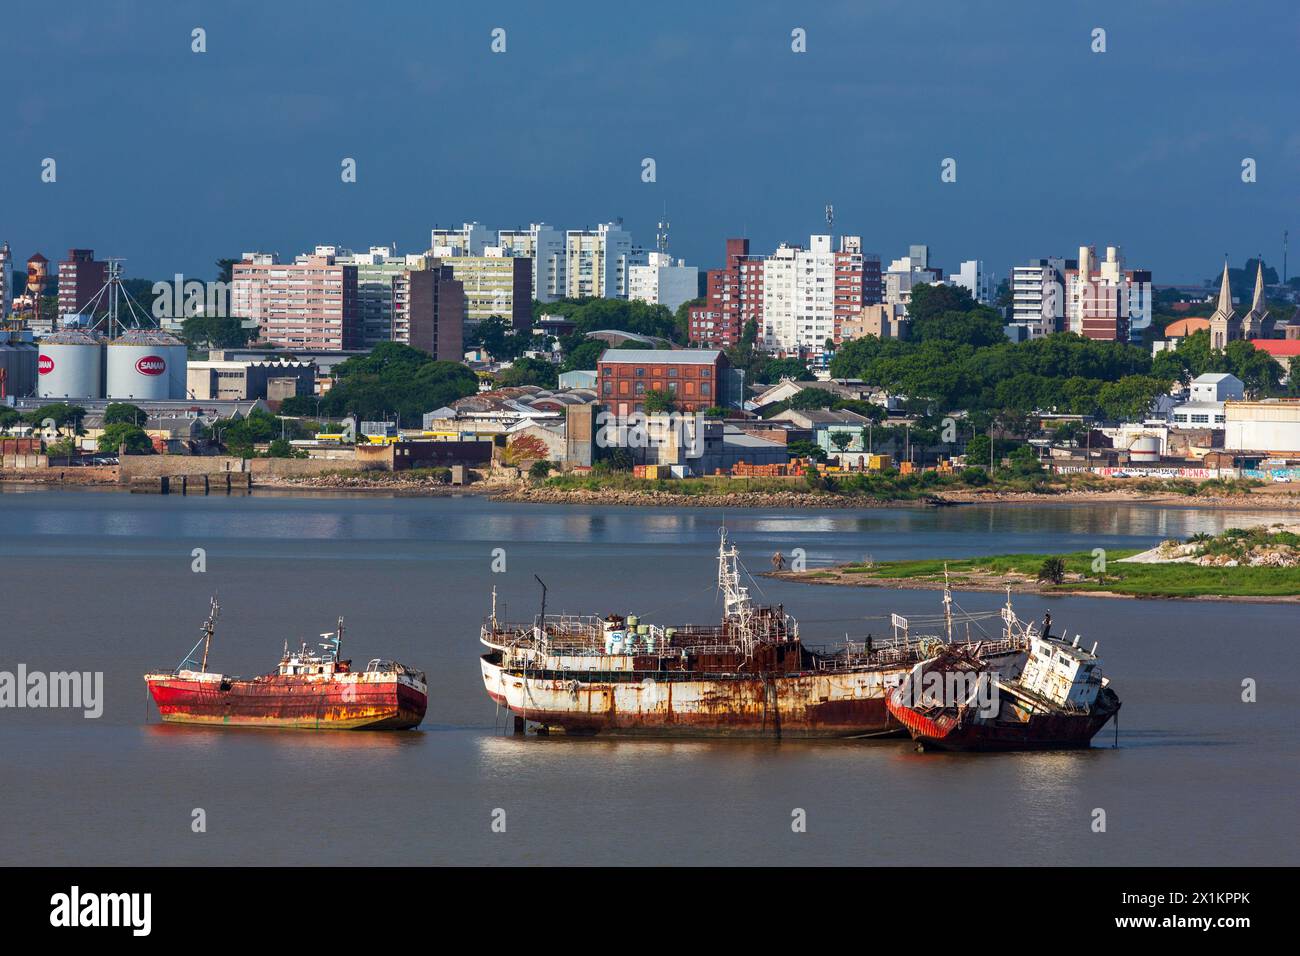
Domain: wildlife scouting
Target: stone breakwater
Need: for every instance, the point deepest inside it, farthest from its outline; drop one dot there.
(667, 499)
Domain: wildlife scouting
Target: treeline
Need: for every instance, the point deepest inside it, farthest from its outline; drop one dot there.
(392, 381)
(957, 358)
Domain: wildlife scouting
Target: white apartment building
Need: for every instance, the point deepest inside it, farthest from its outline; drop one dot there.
(908, 271)
(799, 296)
(545, 246)
(663, 281)
(596, 261)
(972, 277)
(1038, 295)
(469, 240)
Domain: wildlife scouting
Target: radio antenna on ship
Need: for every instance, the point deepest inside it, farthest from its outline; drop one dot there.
(333, 640)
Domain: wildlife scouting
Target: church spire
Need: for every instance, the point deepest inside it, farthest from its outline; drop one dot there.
(1225, 324)
(1257, 303)
(1225, 293)
(1256, 324)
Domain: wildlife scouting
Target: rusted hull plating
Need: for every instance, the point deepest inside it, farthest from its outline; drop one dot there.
(850, 704)
(1051, 730)
(293, 703)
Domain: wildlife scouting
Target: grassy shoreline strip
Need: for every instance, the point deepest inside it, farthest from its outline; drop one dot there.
(1136, 580)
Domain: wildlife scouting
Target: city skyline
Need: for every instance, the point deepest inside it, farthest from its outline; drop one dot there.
(240, 146)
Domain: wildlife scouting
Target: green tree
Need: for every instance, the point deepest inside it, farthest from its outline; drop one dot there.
(1052, 570)
(118, 412)
(529, 371)
(777, 369)
(657, 402)
(1130, 398)
(63, 415)
(215, 332)
(124, 433)
(682, 319)
(583, 356)
(281, 448)
(979, 450)
(806, 449)
(391, 380)
(842, 440)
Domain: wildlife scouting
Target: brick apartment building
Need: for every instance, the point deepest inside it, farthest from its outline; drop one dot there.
(734, 295)
(80, 277)
(429, 312)
(308, 304)
(696, 378)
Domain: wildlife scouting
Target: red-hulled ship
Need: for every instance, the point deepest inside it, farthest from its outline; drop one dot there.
(308, 691)
(1058, 700)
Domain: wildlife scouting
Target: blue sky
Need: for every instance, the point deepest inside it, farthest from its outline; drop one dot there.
(172, 159)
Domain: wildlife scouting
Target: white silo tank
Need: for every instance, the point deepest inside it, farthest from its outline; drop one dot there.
(145, 365)
(1146, 448)
(70, 365)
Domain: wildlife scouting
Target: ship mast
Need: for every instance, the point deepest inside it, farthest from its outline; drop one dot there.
(209, 627)
(1009, 616)
(735, 596)
(947, 602)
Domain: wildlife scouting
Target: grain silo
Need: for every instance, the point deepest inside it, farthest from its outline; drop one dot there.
(146, 365)
(17, 367)
(70, 365)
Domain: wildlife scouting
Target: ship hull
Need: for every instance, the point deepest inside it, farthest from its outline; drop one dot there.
(790, 705)
(1043, 731)
(350, 703)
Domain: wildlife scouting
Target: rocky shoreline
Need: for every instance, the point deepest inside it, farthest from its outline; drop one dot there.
(540, 494)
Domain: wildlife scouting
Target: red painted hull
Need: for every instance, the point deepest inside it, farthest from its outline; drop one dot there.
(1044, 731)
(290, 702)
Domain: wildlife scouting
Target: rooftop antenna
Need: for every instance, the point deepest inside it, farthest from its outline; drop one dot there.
(1285, 234)
(830, 219)
(661, 236)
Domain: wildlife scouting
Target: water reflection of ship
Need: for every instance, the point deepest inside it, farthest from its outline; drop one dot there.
(749, 675)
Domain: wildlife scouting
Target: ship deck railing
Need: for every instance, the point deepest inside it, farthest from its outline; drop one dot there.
(846, 654)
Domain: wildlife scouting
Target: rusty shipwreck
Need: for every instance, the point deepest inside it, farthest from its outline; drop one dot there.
(1058, 700)
(310, 690)
(749, 675)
